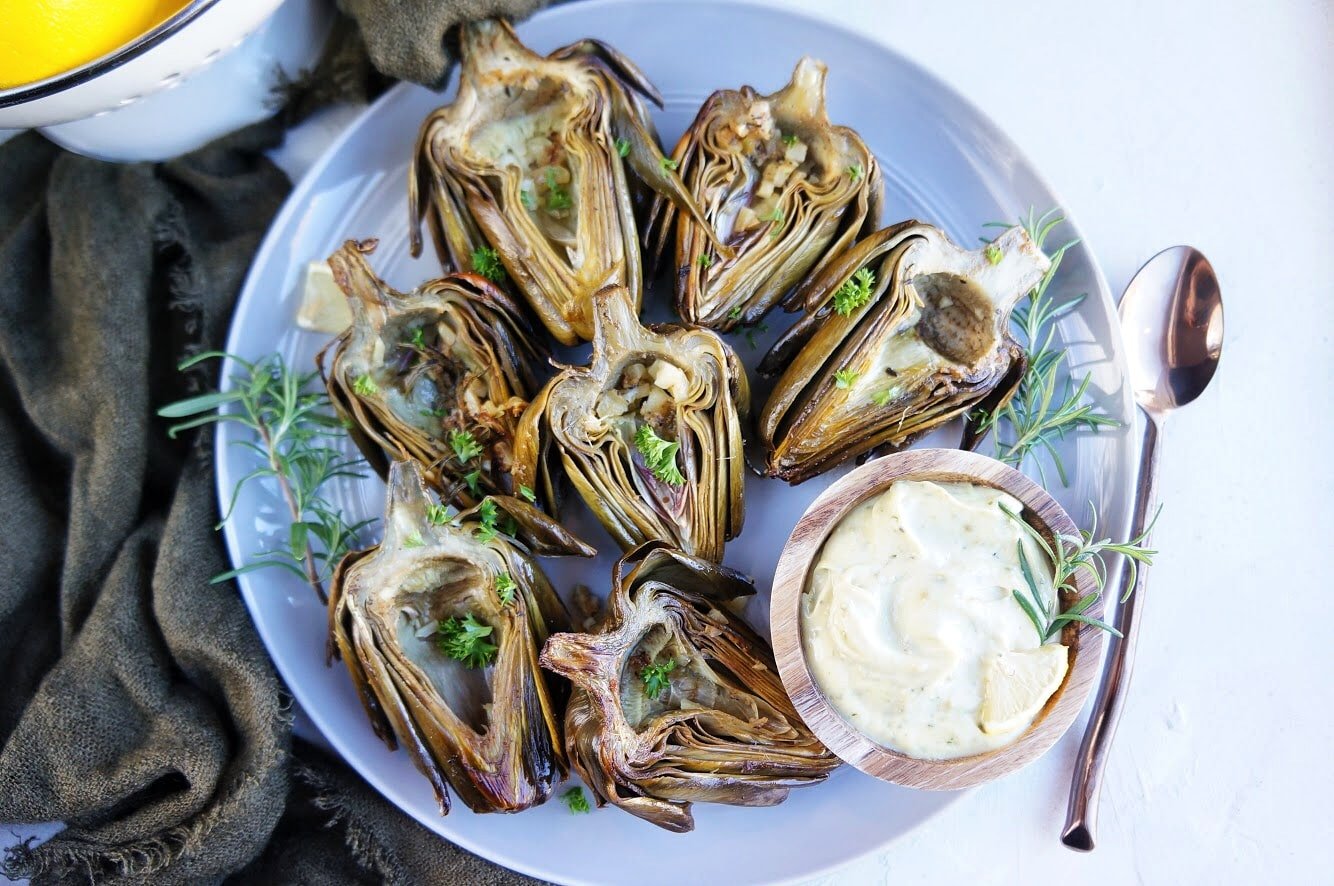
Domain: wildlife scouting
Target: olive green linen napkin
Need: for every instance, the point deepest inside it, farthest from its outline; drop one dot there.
(137, 704)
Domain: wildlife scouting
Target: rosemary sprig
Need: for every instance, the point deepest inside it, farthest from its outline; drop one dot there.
(1049, 404)
(1071, 555)
(294, 429)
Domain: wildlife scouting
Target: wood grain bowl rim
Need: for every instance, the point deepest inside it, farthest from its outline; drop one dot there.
(799, 553)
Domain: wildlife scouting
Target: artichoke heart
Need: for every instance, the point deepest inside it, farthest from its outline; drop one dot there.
(649, 433)
(439, 375)
(778, 184)
(530, 160)
(676, 700)
(902, 333)
(489, 725)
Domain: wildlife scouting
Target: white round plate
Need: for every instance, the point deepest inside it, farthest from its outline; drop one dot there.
(944, 162)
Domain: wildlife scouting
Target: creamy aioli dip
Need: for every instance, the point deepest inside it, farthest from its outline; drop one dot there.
(910, 626)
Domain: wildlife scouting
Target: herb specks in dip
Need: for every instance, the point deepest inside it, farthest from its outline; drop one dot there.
(910, 625)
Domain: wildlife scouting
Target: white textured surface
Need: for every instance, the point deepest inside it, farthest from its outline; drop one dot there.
(1211, 124)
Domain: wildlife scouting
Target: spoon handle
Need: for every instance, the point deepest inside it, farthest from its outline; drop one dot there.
(1082, 812)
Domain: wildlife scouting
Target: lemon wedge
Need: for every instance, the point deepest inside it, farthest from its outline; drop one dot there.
(1016, 684)
(323, 305)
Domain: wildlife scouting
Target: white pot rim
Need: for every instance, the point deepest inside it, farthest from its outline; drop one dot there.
(27, 92)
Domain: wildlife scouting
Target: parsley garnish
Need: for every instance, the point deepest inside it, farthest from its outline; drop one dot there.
(855, 292)
(413, 541)
(465, 445)
(655, 677)
(622, 147)
(993, 253)
(365, 386)
(527, 493)
(789, 139)
(735, 313)
(488, 513)
(882, 397)
(659, 455)
(526, 198)
(505, 588)
(557, 197)
(704, 260)
(855, 172)
(465, 640)
(846, 378)
(777, 218)
(418, 339)
(437, 514)
(575, 799)
(473, 480)
(486, 261)
(668, 163)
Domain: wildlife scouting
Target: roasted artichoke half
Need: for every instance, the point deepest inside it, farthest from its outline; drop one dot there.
(649, 433)
(439, 375)
(778, 184)
(902, 332)
(440, 626)
(528, 163)
(676, 700)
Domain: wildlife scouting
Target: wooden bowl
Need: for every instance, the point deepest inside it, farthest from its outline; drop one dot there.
(790, 580)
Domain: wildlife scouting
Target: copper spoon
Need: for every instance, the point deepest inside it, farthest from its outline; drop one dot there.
(1172, 318)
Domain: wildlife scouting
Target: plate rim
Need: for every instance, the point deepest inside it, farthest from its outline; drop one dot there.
(298, 199)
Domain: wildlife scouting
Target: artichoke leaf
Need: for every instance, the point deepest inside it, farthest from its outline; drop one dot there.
(928, 342)
(491, 734)
(440, 375)
(721, 729)
(526, 161)
(777, 183)
(676, 393)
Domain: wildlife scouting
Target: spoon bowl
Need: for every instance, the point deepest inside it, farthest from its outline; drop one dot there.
(1172, 318)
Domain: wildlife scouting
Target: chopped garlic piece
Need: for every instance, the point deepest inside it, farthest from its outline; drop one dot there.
(669, 378)
(658, 403)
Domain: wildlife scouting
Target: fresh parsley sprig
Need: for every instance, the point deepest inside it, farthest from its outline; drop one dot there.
(365, 386)
(486, 261)
(659, 455)
(489, 516)
(465, 445)
(465, 639)
(655, 677)
(294, 435)
(574, 798)
(855, 292)
(505, 588)
(558, 199)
